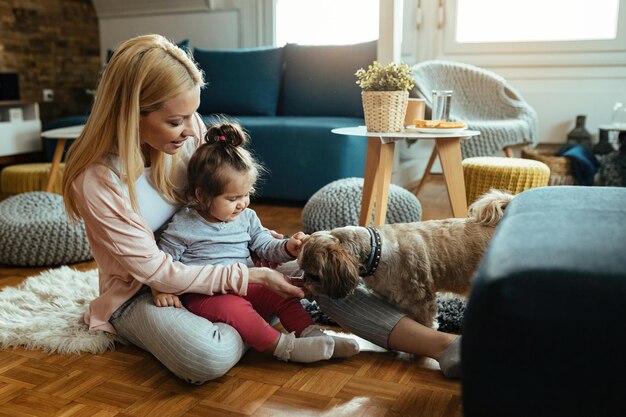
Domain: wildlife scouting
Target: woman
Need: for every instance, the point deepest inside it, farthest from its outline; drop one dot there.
(125, 177)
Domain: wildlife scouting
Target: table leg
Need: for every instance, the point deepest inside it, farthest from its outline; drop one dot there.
(56, 161)
(369, 179)
(449, 150)
(427, 170)
(383, 181)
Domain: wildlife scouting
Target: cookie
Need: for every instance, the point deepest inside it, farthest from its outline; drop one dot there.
(451, 125)
(426, 123)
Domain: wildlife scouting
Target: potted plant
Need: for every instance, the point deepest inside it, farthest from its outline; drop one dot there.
(385, 95)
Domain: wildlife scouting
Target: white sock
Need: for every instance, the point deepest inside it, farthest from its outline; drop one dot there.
(307, 350)
(344, 346)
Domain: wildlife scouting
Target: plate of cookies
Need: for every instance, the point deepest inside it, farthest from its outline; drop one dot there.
(436, 126)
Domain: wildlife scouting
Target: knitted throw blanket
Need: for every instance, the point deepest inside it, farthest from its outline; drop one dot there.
(483, 100)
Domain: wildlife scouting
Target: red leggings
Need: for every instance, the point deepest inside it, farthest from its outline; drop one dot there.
(249, 314)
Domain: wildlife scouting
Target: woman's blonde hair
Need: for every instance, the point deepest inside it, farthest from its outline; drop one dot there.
(142, 74)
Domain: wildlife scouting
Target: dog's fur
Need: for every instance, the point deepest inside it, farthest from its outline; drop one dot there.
(417, 260)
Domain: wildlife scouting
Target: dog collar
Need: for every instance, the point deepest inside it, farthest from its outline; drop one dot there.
(374, 258)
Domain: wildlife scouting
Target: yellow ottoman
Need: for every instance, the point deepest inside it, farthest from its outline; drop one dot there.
(23, 178)
(507, 174)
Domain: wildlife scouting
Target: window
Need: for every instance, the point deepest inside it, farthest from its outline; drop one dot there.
(325, 22)
(533, 27)
(535, 20)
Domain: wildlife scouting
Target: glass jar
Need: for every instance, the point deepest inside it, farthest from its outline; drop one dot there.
(618, 120)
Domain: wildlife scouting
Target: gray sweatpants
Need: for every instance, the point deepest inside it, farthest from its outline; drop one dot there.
(198, 350)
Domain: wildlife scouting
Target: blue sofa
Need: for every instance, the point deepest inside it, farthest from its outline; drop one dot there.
(288, 99)
(544, 332)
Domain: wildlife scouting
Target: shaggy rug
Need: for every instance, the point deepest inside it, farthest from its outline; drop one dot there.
(450, 312)
(46, 312)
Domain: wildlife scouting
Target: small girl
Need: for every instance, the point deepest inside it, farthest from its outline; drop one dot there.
(217, 227)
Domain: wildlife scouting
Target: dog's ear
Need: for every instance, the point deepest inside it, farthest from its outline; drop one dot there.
(329, 267)
(311, 251)
(339, 274)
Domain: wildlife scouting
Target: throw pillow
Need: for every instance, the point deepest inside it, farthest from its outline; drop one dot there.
(244, 82)
(320, 80)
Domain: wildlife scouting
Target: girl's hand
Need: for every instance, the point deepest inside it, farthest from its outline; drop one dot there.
(294, 244)
(275, 281)
(166, 300)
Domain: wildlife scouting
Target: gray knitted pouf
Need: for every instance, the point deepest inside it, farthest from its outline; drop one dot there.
(35, 231)
(338, 204)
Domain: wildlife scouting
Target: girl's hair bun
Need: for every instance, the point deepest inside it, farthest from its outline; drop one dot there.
(228, 133)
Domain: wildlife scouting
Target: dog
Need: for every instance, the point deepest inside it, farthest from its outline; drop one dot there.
(405, 263)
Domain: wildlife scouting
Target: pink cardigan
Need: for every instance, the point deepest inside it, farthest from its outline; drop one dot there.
(125, 249)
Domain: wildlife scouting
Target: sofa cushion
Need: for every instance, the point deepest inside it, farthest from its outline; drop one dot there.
(320, 80)
(240, 81)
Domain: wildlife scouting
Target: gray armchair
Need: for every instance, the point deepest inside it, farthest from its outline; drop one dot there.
(482, 99)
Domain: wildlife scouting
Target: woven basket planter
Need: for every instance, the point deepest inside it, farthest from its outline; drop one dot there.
(560, 167)
(384, 110)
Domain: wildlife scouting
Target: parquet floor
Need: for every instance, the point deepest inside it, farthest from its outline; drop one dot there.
(130, 382)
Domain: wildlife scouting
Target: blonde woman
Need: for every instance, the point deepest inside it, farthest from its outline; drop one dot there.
(125, 177)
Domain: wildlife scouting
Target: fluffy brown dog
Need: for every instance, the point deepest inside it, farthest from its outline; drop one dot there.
(415, 260)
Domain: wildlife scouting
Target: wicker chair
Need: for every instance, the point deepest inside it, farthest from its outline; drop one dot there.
(484, 101)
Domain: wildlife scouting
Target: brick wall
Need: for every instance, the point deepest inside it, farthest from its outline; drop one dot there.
(51, 44)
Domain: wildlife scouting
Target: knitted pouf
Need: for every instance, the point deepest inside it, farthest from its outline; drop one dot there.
(338, 204)
(23, 178)
(507, 174)
(35, 231)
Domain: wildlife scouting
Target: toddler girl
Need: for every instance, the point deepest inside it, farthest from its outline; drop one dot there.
(217, 227)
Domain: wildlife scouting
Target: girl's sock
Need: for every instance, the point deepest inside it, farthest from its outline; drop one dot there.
(344, 346)
(306, 350)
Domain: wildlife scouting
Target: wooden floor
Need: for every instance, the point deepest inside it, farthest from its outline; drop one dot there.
(130, 382)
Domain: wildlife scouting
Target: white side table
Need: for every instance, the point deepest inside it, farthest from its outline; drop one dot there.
(61, 135)
(379, 163)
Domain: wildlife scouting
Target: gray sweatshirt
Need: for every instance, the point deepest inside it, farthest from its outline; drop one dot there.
(190, 239)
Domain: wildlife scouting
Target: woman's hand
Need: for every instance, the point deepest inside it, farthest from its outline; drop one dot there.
(276, 235)
(275, 281)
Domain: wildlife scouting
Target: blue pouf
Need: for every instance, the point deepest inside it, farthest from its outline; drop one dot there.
(338, 204)
(547, 304)
(35, 231)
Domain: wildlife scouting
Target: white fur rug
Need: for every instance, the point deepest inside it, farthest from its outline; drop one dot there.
(46, 312)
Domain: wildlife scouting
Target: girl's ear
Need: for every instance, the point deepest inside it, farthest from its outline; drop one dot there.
(201, 203)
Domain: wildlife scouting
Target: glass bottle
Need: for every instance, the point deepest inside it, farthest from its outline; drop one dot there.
(603, 146)
(580, 135)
